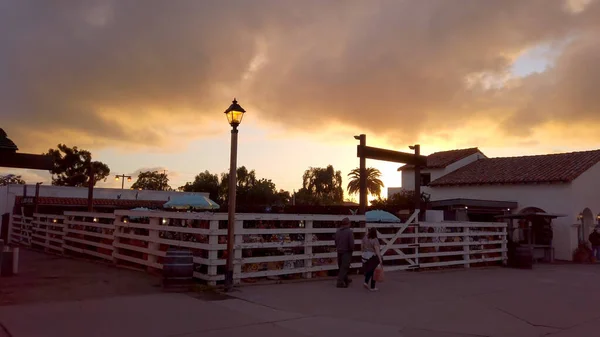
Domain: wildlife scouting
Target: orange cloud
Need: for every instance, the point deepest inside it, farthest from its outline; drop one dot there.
(155, 73)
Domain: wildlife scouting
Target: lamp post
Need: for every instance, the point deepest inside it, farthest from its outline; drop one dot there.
(122, 178)
(234, 114)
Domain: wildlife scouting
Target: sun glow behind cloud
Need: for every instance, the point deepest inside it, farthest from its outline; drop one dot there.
(145, 85)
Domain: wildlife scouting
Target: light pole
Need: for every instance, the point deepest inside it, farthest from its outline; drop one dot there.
(122, 178)
(234, 114)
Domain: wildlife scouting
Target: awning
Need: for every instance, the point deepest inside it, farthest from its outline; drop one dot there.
(475, 203)
(527, 215)
(381, 216)
(191, 202)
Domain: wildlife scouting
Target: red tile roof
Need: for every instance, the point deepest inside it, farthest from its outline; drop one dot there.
(552, 168)
(444, 158)
(116, 203)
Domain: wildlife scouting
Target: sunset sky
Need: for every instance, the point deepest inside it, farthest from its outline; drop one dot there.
(143, 84)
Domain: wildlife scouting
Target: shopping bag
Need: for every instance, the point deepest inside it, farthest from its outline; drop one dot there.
(379, 277)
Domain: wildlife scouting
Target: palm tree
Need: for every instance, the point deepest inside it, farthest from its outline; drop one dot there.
(374, 184)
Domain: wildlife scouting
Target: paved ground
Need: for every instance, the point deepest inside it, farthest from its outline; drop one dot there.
(43, 278)
(557, 301)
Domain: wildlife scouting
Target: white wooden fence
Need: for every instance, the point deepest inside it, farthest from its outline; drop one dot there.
(20, 230)
(266, 245)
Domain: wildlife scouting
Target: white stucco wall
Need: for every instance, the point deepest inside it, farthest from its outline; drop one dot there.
(408, 176)
(463, 162)
(586, 194)
(552, 198)
(568, 199)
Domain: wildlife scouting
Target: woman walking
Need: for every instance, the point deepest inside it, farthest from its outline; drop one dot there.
(371, 257)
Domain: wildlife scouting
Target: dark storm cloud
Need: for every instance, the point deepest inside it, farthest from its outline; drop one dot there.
(117, 71)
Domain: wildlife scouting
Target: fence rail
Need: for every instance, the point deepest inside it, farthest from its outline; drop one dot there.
(266, 245)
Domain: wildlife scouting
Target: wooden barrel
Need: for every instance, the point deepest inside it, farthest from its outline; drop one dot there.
(1, 250)
(178, 269)
(523, 258)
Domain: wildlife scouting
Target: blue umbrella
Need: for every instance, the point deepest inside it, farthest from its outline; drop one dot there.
(191, 201)
(381, 216)
(138, 209)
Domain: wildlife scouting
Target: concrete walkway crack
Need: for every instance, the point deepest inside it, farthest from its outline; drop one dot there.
(240, 326)
(528, 322)
(448, 332)
(573, 326)
(4, 331)
(265, 305)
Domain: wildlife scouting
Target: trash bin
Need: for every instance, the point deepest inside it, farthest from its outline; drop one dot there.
(9, 261)
(6, 263)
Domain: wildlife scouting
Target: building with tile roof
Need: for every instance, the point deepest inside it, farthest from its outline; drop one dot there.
(541, 169)
(443, 159)
(439, 164)
(564, 184)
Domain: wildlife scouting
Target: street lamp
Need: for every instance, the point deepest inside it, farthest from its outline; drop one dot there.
(122, 178)
(234, 114)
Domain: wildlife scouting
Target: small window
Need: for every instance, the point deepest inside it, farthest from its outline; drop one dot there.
(425, 179)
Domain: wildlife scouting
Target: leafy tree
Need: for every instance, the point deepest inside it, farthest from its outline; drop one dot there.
(72, 167)
(399, 201)
(204, 182)
(321, 186)
(152, 180)
(252, 191)
(374, 184)
(245, 180)
(11, 179)
(284, 198)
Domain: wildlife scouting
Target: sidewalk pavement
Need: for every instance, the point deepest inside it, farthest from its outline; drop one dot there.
(557, 301)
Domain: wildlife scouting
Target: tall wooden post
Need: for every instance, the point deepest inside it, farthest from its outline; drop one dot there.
(37, 196)
(417, 149)
(91, 188)
(363, 177)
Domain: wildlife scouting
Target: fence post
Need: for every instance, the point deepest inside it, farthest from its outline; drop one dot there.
(237, 251)
(417, 231)
(28, 226)
(213, 254)
(116, 240)
(10, 228)
(62, 223)
(467, 246)
(308, 251)
(504, 244)
(153, 237)
(47, 225)
(35, 228)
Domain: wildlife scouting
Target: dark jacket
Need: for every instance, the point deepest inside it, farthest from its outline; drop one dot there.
(595, 238)
(344, 240)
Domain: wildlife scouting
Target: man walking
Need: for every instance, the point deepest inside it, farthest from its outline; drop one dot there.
(595, 241)
(344, 243)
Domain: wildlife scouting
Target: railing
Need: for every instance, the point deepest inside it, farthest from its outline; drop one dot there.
(287, 244)
(89, 234)
(47, 232)
(269, 246)
(20, 230)
(443, 244)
